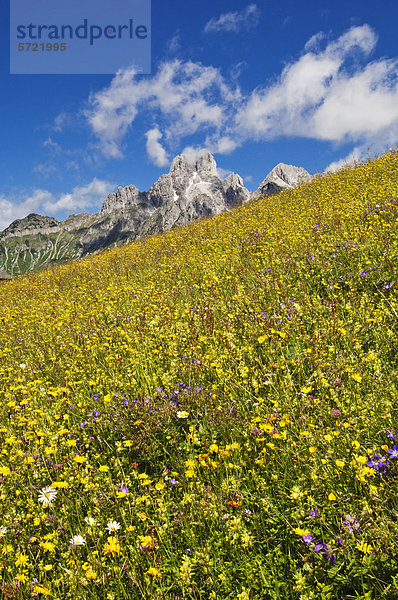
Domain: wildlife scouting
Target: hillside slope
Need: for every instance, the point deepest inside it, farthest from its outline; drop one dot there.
(211, 412)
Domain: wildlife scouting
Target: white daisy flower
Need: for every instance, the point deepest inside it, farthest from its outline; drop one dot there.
(182, 414)
(90, 521)
(112, 526)
(77, 540)
(3, 530)
(47, 495)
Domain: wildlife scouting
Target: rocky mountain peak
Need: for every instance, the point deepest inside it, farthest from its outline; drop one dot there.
(30, 225)
(206, 165)
(179, 163)
(282, 177)
(288, 174)
(122, 199)
(233, 179)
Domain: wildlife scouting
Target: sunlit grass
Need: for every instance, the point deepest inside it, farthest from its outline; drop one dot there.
(212, 412)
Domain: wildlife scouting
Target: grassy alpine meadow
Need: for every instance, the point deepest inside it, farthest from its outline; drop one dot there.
(210, 413)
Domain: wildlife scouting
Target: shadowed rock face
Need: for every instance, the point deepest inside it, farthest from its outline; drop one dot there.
(188, 192)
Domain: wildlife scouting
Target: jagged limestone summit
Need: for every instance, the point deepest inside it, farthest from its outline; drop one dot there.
(190, 190)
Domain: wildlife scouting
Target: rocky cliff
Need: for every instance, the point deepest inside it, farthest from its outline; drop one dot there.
(280, 178)
(188, 192)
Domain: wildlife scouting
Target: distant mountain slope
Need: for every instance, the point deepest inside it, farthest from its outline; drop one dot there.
(186, 193)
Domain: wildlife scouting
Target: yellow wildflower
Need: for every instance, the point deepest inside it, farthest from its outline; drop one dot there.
(41, 589)
(79, 459)
(365, 548)
(300, 532)
(148, 541)
(153, 572)
(47, 546)
(112, 546)
(22, 560)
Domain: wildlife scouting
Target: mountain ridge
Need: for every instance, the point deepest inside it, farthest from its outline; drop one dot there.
(190, 190)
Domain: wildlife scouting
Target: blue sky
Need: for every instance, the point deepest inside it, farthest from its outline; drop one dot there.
(309, 83)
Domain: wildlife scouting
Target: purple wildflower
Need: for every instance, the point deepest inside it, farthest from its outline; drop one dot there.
(327, 553)
(320, 547)
(393, 452)
(378, 463)
(351, 523)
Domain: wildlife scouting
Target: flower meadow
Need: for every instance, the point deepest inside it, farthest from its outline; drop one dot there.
(210, 413)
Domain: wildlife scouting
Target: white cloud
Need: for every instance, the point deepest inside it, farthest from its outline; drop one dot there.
(234, 21)
(362, 38)
(214, 146)
(192, 153)
(79, 198)
(332, 92)
(188, 97)
(221, 145)
(355, 156)
(366, 151)
(113, 111)
(43, 201)
(287, 21)
(317, 97)
(51, 145)
(45, 169)
(155, 150)
(314, 42)
(174, 44)
(360, 106)
(72, 165)
(223, 173)
(60, 121)
(9, 211)
(237, 68)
